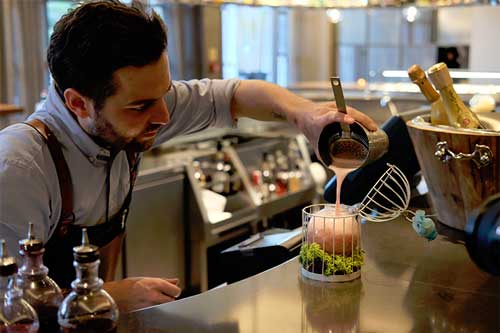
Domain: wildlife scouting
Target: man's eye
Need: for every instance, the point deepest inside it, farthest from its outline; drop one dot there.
(140, 107)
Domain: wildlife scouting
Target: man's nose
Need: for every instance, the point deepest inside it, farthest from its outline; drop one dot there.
(160, 113)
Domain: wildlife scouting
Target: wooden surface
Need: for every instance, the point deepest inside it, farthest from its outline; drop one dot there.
(458, 187)
(9, 108)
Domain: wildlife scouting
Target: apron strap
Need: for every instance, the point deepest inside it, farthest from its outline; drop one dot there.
(108, 236)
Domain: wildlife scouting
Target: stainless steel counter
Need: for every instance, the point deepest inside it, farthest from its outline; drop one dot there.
(407, 285)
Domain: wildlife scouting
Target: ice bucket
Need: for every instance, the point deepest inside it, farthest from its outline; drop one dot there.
(460, 166)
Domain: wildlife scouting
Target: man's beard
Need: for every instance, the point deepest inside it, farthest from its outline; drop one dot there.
(138, 147)
(105, 135)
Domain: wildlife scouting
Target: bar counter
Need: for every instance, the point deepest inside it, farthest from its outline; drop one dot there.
(407, 285)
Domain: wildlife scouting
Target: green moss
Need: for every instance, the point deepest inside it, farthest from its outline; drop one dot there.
(313, 258)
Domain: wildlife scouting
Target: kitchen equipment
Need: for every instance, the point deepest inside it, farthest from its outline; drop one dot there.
(260, 252)
(460, 166)
(401, 153)
(338, 138)
(339, 100)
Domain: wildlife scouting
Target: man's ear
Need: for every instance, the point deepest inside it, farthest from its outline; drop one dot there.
(77, 103)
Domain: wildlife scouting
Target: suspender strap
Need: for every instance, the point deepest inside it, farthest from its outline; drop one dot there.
(133, 162)
(65, 184)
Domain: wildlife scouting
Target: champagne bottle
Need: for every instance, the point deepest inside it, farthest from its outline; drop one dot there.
(439, 115)
(459, 115)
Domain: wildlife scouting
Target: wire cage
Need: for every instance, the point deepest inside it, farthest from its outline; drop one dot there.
(388, 198)
(331, 243)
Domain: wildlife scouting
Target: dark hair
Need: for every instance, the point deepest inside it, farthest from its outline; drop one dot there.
(94, 40)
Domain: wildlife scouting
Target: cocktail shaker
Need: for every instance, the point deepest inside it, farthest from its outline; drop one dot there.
(336, 138)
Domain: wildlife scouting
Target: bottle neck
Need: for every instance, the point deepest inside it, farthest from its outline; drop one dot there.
(33, 265)
(87, 277)
(8, 287)
(449, 94)
(4, 285)
(458, 113)
(427, 90)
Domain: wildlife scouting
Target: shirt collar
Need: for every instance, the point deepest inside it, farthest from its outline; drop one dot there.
(55, 106)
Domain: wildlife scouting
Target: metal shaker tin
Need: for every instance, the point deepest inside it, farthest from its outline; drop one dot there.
(376, 142)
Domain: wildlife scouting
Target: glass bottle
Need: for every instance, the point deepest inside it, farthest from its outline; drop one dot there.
(267, 176)
(88, 308)
(282, 173)
(439, 116)
(199, 175)
(16, 315)
(38, 288)
(233, 182)
(220, 178)
(459, 114)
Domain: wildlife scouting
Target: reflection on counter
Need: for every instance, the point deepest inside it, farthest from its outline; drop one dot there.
(407, 285)
(330, 307)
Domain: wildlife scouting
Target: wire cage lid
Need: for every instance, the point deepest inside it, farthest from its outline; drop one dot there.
(388, 199)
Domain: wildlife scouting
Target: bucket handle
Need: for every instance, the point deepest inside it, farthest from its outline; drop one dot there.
(481, 155)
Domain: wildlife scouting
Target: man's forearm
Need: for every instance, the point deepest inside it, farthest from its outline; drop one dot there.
(266, 101)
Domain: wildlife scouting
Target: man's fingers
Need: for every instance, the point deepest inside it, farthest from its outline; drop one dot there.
(168, 288)
(363, 119)
(159, 298)
(352, 112)
(172, 280)
(337, 117)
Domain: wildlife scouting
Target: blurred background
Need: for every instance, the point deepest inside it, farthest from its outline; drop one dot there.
(296, 44)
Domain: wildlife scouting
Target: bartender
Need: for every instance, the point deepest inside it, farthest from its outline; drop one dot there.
(73, 163)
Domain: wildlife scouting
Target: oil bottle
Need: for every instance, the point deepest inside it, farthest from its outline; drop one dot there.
(38, 288)
(88, 308)
(16, 315)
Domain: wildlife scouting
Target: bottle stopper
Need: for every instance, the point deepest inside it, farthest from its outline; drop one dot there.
(86, 252)
(31, 243)
(8, 264)
(417, 76)
(440, 75)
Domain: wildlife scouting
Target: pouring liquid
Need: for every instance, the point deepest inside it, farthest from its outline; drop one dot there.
(347, 155)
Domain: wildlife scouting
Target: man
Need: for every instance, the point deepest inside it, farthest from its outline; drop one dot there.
(74, 163)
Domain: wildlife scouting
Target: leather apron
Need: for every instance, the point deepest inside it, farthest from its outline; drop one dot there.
(58, 256)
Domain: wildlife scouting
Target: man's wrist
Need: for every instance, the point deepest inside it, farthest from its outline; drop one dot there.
(296, 110)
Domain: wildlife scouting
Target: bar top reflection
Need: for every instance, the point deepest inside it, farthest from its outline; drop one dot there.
(407, 285)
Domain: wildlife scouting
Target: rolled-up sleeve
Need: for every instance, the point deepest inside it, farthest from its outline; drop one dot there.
(197, 105)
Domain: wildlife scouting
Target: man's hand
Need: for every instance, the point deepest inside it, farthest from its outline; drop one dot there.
(140, 292)
(311, 121)
(266, 101)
